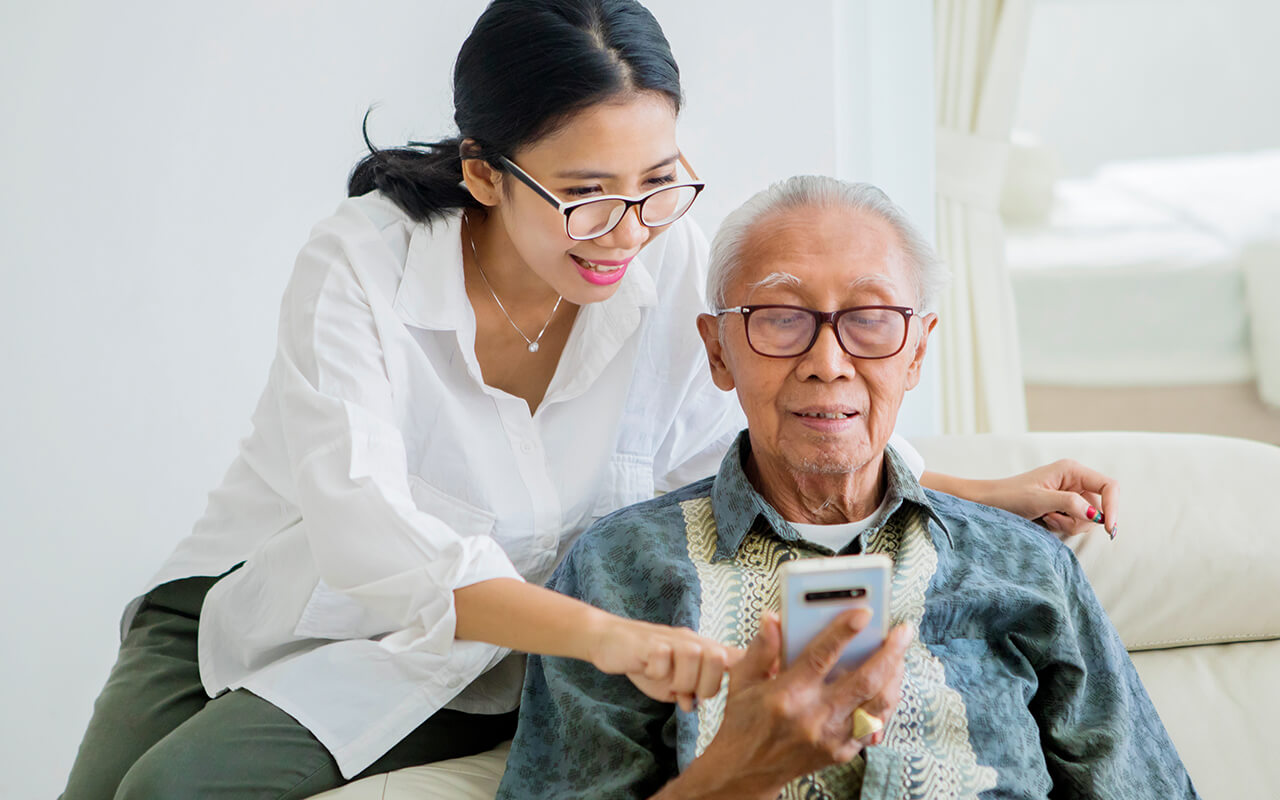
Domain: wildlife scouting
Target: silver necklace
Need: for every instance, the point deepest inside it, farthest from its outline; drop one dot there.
(533, 343)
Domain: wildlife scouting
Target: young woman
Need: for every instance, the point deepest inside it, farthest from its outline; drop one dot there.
(488, 346)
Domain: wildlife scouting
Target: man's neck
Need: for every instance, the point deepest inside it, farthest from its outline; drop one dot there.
(819, 498)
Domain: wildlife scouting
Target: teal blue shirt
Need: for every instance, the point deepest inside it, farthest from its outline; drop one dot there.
(1016, 687)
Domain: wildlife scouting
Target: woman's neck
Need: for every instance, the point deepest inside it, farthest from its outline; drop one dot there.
(491, 251)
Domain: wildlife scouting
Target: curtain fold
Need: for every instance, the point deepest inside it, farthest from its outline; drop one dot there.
(1262, 292)
(980, 48)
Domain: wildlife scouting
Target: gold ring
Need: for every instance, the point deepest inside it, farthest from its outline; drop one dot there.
(865, 724)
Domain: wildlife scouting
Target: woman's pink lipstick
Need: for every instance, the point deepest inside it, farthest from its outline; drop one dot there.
(602, 278)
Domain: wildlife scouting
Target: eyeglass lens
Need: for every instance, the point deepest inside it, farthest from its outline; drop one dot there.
(590, 220)
(866, 332)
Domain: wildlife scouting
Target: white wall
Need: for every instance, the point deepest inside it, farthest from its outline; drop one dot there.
(1118, 79)
(162, 163)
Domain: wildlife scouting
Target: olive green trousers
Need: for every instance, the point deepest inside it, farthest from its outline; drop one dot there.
(154, 732)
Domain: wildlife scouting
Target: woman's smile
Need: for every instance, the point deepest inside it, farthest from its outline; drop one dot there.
(601, 273)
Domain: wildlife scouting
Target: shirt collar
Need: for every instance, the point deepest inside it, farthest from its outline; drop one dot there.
(432, 294)
(738, 507)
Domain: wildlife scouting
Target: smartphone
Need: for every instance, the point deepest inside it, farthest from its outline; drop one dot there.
(816, 590)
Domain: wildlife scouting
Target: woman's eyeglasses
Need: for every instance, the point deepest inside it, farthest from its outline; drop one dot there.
(779, 331)
(595, 216)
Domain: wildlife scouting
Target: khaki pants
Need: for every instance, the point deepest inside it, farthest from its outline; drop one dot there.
(156, 734)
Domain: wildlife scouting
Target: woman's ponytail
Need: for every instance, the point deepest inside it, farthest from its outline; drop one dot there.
(424, 179)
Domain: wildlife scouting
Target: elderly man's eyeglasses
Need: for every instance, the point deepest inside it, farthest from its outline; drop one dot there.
(779, 331)
(595, 216)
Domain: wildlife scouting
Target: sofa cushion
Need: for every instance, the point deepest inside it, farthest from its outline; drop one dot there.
(1219, 704)
(471, 778)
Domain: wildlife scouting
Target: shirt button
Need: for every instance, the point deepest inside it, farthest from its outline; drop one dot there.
(526, 447)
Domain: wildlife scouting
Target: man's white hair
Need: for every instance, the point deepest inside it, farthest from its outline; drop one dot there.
(929, 275)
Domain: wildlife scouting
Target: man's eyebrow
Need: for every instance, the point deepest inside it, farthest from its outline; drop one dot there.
(872, 279)
(587, 174)
(776, 279)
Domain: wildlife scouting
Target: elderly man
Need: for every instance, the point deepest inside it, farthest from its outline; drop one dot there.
(1002, 677)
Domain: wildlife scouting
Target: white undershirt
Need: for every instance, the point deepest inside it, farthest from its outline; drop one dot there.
(837, 537)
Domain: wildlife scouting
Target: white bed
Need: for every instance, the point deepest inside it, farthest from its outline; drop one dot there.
(1155, 273)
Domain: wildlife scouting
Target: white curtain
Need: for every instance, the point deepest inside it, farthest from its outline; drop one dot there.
(1261, 263)
(980, 48)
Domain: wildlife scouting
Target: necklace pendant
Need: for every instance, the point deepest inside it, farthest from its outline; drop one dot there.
(533, 347)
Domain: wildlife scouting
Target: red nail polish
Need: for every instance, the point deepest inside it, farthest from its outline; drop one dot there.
(1093, 514)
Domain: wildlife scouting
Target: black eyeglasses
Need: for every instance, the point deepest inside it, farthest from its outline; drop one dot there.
(778, 331)
(595, 216)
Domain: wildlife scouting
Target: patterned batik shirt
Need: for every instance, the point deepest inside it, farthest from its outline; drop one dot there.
(1017, 685)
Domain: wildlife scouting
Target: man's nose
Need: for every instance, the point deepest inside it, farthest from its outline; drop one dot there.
(826, 360)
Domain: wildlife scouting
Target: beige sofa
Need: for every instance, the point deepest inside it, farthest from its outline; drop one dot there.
(1192, 583)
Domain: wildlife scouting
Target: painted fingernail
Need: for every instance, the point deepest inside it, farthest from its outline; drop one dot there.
(1114, 530)
(1093, 514)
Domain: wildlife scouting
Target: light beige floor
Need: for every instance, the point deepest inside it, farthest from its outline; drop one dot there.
(1222, 409)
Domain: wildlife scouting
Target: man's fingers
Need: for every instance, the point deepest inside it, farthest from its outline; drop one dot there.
(821, 654)
(758, 662)
(870, 685)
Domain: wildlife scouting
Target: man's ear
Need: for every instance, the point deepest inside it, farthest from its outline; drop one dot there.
(927, 322)
(709, 329)
(482, 180)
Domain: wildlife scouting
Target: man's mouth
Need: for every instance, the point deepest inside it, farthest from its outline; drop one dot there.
(826, 414)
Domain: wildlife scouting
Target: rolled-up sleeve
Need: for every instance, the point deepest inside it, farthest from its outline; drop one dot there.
(338, 415)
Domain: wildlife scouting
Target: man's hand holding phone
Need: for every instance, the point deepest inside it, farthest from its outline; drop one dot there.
(784, 722)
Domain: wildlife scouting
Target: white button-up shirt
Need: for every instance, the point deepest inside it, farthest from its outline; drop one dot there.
(382, 474)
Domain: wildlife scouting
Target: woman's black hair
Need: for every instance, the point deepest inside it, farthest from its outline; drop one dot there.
(526, 67)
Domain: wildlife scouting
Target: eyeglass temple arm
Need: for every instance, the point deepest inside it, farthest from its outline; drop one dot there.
(528, 180)
(688, 168)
